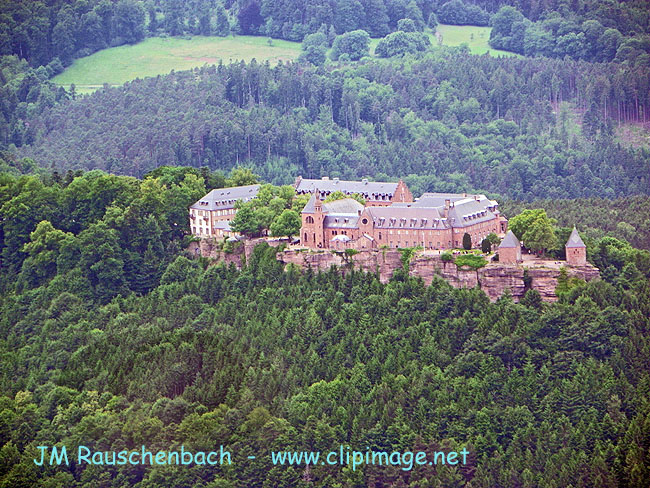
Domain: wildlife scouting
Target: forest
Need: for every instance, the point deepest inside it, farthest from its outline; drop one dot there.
(624, 218)
(443, 120)
(42, 31)
(112, 337)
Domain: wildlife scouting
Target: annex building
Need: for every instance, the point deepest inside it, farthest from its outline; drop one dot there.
(393, 219)
(376, 193)
(211, 215)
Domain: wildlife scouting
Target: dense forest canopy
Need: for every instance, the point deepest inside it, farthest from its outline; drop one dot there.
(42, 31)
(522, 128)
(625, 218)
(111, 337)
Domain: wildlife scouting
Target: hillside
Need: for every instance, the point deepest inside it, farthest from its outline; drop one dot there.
(445, 120)
(625, 218)
(158, 56)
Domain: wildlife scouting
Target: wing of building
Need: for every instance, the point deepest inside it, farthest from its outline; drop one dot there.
(434, 221)
(375, 193)
(211, 215)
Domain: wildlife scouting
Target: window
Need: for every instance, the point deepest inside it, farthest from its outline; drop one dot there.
(309, 220)
(306, 238)
(380, 236)
(364, 221)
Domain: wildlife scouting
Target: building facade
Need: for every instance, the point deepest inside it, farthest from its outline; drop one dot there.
(211, 215)
(434, 221)
(376, 193)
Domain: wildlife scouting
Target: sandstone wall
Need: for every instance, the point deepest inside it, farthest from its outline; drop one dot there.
(493, 279)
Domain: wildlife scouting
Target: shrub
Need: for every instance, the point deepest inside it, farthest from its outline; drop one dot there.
(446, 257)
(470, 261)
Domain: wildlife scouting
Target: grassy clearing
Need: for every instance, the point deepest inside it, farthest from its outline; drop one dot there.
(455, 35)
(156, 56)
(475, 37)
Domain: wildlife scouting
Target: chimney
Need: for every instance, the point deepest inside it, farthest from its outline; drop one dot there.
(476, 197)
(297, 182)
(325, 178)
(464, 195)
(336, 180)
(364, 181)
(359, 213)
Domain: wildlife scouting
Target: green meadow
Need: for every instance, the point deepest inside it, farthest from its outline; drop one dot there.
(475, 37)
(156, 56)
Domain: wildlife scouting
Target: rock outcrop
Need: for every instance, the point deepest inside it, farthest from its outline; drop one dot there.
(493, 279)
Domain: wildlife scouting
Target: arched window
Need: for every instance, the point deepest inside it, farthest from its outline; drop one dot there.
(310, 220)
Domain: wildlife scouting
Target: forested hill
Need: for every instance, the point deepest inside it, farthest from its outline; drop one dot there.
(524, 128)
(111, 338)
(68, 29)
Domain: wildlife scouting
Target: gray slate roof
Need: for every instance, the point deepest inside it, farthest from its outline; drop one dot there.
(371, 190)
(341, 221)
(225, 198)
(438, 199)
(309, 208)
(407, 218)
(343, 206)
(574, 239)
(469, 212)
(509, 241)
(348, 206)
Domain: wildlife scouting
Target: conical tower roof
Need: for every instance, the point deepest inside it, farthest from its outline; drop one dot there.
(509, 241)
(574, 239)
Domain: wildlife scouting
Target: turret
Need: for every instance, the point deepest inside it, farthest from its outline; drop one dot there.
(576, 251)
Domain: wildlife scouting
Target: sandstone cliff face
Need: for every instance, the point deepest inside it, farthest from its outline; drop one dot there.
(493, 279)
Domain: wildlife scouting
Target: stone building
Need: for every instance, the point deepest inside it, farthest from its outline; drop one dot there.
(324, 222)
(510, 249)
(376, 193)
(576, 251)
(435, 221)
(211, 215)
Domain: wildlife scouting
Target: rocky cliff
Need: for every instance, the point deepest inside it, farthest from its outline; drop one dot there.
(493, 279)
